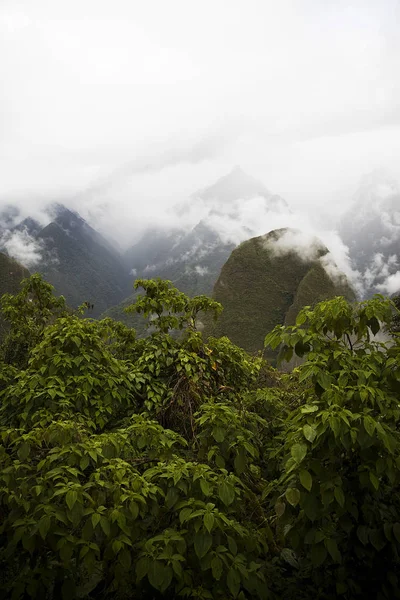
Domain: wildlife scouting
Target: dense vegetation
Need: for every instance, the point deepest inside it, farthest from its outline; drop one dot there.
(174, 466)
(11, 275)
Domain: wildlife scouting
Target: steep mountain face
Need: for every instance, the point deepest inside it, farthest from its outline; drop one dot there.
(77, 260)
(80, 263)
(218, 218)
(267, 280)
(371, 230)
(11, 275)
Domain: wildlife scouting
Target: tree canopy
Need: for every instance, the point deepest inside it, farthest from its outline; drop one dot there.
(177, 466)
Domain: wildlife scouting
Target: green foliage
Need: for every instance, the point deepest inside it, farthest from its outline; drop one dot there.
(337, 498)
(27, 314)
(174, 466)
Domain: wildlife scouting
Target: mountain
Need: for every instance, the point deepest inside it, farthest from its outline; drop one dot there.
(78, 261)
(11, 275)
(371, 230)
(267, 280)
(217, 219)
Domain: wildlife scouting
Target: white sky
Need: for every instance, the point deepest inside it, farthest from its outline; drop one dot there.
(138, 103)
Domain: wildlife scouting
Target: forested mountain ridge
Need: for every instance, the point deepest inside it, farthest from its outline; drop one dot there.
(11, 275)
(264, 284)
(80, 263)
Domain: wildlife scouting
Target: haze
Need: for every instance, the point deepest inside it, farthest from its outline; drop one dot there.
(127, 107)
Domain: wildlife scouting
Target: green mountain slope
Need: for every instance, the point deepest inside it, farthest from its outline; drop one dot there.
(259, 289)
(11, 275)
(81, 268)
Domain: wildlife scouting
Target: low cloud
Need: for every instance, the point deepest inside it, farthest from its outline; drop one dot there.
(23, 247)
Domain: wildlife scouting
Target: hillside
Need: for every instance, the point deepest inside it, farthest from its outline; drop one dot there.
(11, 275)
(81, 265)
(260, 288)
(77, 260)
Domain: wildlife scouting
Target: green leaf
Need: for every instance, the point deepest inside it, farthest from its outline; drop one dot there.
(185, 514)
(362, 534)
(226, 493)
(218, 434)
(206, 488)
(202, 543)
(209, 521)
(105, 525)
(309, 433)
(298, 451)
(233, 581)
(95, 519)
(369, 425)
(134, 509)
(84, 462)
(292, 496)
(374, 480)
(142, 567)
(306, 479)
(318, 554)
(280, 508)
(396, 531)
(44, 526)
(216, 567)
(333, 550)
(71, 498)
(240, 463)
(339, 496)
(23, 451)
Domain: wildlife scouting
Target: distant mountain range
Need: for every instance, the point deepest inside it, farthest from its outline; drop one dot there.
(219, 217)
(84, 265)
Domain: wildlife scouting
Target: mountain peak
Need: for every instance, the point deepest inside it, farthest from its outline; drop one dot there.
(237, 185)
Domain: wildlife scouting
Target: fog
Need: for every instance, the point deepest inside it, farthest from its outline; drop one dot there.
(122, 110)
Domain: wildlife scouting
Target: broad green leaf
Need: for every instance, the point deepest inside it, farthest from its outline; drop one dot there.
(292, 496)
(226, 493)
(309, 433)
(233, 581)
(209, 521)
(105, 525)
(240, 463)
(333, 549)
(218, 434)
(206, 488)
(362, 534)
(374, 480)
(202, 543)
(44, 526)
(95, 519)
(396, 531)
(142, 567)
(280, 508)
(216, 567)
(306, 479)
(298, 451)
(339, 496)
(71, 498)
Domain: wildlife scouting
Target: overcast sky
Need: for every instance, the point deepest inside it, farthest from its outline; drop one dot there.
(141, 102)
